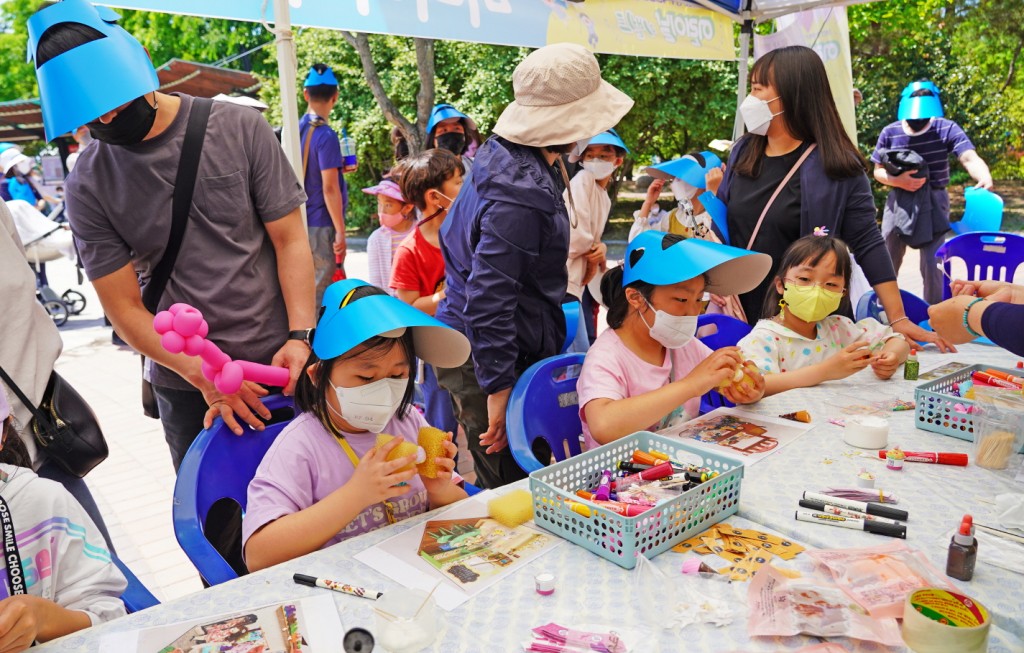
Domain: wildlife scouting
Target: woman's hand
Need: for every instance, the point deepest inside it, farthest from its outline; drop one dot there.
(377, 478)
(994, 291)
(947, 318)
(915, 335)
(850, 360)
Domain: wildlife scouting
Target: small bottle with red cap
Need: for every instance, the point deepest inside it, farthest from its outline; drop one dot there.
(963, 551)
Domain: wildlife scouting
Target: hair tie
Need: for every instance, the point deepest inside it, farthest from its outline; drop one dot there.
(821, 231)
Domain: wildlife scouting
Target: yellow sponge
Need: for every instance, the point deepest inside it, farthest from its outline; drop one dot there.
(512, 509)
(432, 440)
(402, 450)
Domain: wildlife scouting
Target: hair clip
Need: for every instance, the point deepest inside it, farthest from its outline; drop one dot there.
(821, 231)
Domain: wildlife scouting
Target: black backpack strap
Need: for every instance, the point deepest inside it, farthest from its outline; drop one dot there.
(184, 185)
(17, 391)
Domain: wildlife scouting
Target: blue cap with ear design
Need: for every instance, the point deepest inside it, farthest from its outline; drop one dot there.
(81, 84)
(923, 85)
(659, 259)
(347, 323)
(326, 78)
(690, 168)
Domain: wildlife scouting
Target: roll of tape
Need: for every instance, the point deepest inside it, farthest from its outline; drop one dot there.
(866, 432)
(939, 621)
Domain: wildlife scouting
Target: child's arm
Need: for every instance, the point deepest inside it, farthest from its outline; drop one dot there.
(373, 481)
(849, 360)
(611, 419)
(25, 618)
(440, 490)
(893, 353)
(426, 304)
(653, 193)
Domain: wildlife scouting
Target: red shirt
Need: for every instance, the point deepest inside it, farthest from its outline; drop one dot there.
(418, 265)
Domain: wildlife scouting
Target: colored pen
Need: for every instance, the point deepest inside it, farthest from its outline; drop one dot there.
(935, 457)
(820, 506)
(868, 507)
(624, 509)
(578, 508)
(604, 489)
(892, 530)
(1006, 376)
(312, 581)
(662, 470)
(987, 379)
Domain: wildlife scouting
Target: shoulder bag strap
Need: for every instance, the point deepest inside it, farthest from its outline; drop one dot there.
(778, 189)
(184, 185)
(21, 395)
(12, 557)
(314, 122)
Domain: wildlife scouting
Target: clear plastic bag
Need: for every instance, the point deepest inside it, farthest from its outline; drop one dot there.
(998, 427)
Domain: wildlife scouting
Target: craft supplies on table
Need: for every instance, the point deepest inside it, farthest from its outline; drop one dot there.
(937, 405)
(936, 620)
(620, 538)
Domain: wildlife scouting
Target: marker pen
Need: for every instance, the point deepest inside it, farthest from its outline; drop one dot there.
(644, 458)
(632, 468)
(654, 473)
(1006, 376)
(578, 508)
(892, 530)
(935, 457)
(985, 378)
(313, 581)
(820, 506)
(604, 490)
(869, 507)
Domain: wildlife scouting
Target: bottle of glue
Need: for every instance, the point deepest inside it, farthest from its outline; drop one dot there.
(963, 551)
(911, 367)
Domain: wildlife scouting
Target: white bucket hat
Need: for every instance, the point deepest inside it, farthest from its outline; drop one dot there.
(560, 98)
(12, 157)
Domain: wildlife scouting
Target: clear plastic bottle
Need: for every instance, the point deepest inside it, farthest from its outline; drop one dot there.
(963, 551)
(350, 161)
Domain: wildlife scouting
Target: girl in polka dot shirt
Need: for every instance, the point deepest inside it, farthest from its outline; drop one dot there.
(802, 341)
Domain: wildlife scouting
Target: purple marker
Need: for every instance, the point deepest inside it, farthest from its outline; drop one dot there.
(604, 490)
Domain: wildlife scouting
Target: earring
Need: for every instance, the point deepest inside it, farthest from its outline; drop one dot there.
(782, 309)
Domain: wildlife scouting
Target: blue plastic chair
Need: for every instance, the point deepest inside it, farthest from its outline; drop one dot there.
(544, 405)
(869, 306)
(983, 211)
(989, 255)
(219, 465)
(571, 309)
(729, 332)
(136, 597)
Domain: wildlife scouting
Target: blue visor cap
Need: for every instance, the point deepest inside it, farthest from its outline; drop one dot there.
(691, 168)
(918, 108)
(446, 112)
(660, 262)
(346, 324)
(6, 146)
(914, 87)
(610, 137)
(86, 82)
(326, 78)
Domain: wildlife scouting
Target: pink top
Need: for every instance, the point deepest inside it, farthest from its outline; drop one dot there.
(612, 371)
(306, 463)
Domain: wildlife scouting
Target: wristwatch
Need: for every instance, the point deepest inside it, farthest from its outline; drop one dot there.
(305, 335)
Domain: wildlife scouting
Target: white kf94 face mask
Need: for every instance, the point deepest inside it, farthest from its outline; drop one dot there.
(371, 406)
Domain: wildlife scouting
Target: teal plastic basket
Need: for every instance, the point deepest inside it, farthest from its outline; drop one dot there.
(935, 404)
(621, 539)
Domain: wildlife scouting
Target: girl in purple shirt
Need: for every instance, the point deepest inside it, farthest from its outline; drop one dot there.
(323, 480)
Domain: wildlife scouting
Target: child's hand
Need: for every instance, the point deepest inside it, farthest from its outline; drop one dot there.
(377, 477)
(713, 179)
(18, 623)
(852, 359)
(714, 369)
(743, 393)
(445, 468)
(884, 364)
(654, 190)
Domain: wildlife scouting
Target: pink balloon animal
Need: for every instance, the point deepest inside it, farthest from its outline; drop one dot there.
(182, 329)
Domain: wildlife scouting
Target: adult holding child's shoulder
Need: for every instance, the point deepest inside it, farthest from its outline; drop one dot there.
(796, 169)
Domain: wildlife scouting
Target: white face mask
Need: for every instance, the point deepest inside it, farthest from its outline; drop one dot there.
(756, 114)
(600, 169)
(671, 331)
(24, 167)
(682, 190)
(370, 406)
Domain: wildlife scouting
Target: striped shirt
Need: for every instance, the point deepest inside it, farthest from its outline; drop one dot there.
(942, 138)
(380, 248)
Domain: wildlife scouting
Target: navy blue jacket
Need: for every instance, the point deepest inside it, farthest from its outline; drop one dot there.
(505, 244)
(845, 206)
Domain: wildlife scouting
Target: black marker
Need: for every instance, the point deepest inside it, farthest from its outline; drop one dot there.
(892, 530)
(869, 507)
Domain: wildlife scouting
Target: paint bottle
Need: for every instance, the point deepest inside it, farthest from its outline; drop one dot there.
(963, 551)
(911, 367)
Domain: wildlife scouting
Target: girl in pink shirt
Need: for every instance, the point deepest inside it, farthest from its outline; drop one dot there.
(323, 480)
(648, 371)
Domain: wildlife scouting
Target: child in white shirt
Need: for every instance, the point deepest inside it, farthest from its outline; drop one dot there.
(694, 180)
(397, 218)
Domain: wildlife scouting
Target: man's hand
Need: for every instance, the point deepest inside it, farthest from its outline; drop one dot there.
(495, 436)
(241, 404)
(340, 247)
(292, 355)
(907, 181)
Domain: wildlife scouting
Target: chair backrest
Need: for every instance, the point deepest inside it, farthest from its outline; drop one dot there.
(572, 310)
(544, 405)
(219, 465)
(136, 597)
(983, 211)
(728, 331)
(989, 255)
(869, 306)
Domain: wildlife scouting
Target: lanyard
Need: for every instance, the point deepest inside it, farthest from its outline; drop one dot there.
(12, 557)
(389, 508)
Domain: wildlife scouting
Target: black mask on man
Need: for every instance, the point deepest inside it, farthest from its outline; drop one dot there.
(917, 124)
(129, 126)
(454, 142)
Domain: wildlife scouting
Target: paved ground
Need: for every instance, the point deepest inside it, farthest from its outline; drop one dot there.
(135, 485)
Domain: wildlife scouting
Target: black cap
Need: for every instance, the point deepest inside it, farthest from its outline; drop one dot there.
(892, 530)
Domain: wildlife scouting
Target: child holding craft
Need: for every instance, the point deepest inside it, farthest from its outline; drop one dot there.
(649, 370)
(328, 477)
(803, 339)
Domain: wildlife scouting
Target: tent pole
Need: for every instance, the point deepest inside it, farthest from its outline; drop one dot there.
(746, 33)
(286, 71)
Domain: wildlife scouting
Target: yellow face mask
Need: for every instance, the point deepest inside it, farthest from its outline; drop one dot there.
(811, 303)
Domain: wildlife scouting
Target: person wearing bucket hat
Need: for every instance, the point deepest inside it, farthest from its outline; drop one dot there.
(589, 188)
(450, 129)
(506, 241)
(322, 166)
(326, 477)
(922, 128)
(804, 338)
(17, 183)
(648, 370)
(397, 218)
(78, 585)
(244, 257)
(695, 211)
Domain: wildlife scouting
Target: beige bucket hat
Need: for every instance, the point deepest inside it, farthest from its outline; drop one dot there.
(560, 98)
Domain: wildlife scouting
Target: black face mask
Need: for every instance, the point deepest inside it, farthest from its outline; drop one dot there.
(454, 142)
(130, 125)
(917, 124)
